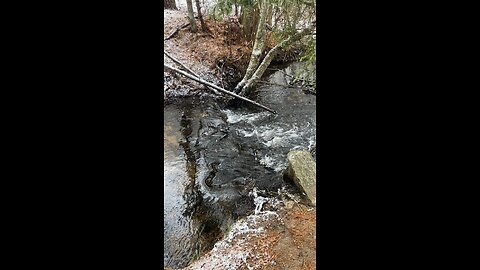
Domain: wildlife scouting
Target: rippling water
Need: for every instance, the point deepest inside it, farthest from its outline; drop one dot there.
(214, 156)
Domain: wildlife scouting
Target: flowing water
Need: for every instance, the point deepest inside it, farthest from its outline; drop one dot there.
(215, 155)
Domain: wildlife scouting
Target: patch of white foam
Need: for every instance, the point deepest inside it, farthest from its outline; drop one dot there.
(235, 117)
(267, 161)
(272, 137)
(278, 137)
(259, 201)
(274, 163)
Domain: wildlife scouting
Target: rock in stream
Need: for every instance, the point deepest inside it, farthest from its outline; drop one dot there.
(302, 169)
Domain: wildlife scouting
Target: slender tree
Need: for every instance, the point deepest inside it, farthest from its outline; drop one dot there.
(249, 18)
(257, 46)
(202, 23)
(191, 17)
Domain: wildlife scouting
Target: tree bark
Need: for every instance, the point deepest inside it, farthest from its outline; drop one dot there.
(202, 23)
(191, 17)
(249, 17)
(169, 4)
(257, 46)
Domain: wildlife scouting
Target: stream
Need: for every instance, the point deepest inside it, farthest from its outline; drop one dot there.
(215, 155)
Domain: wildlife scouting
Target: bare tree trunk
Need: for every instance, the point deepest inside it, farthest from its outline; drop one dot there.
(191, 17)
(270, 17)
(249, 17)
(270, 56)
(169, 4)
(202, 23)
(258, 45)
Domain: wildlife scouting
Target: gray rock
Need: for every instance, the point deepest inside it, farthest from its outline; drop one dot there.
(302, 169)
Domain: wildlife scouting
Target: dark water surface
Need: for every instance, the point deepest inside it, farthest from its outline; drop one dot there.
(215, 155)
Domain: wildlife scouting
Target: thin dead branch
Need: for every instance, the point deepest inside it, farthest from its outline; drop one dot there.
(176, 31)
(217, 88)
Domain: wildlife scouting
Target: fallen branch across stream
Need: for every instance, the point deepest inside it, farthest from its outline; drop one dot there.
(217, 88)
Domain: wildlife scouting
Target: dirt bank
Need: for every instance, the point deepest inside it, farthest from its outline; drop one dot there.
(220, 56)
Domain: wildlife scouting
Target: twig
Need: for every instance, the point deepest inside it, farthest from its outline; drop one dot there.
(176, 30)
(241, 56)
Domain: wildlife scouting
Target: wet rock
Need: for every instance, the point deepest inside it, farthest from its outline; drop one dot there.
(302, 169)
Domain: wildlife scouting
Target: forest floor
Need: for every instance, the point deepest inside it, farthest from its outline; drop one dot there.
(286, 242)
(220, 57)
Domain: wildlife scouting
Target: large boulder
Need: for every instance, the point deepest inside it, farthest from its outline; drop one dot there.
(302, 169)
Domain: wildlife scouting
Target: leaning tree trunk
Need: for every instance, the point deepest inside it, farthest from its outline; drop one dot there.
(204, 26)
(257, 46)
(169, 4)
(250, 83)
(191, 17)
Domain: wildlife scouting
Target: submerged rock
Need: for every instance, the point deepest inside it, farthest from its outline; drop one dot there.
(302, 169)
